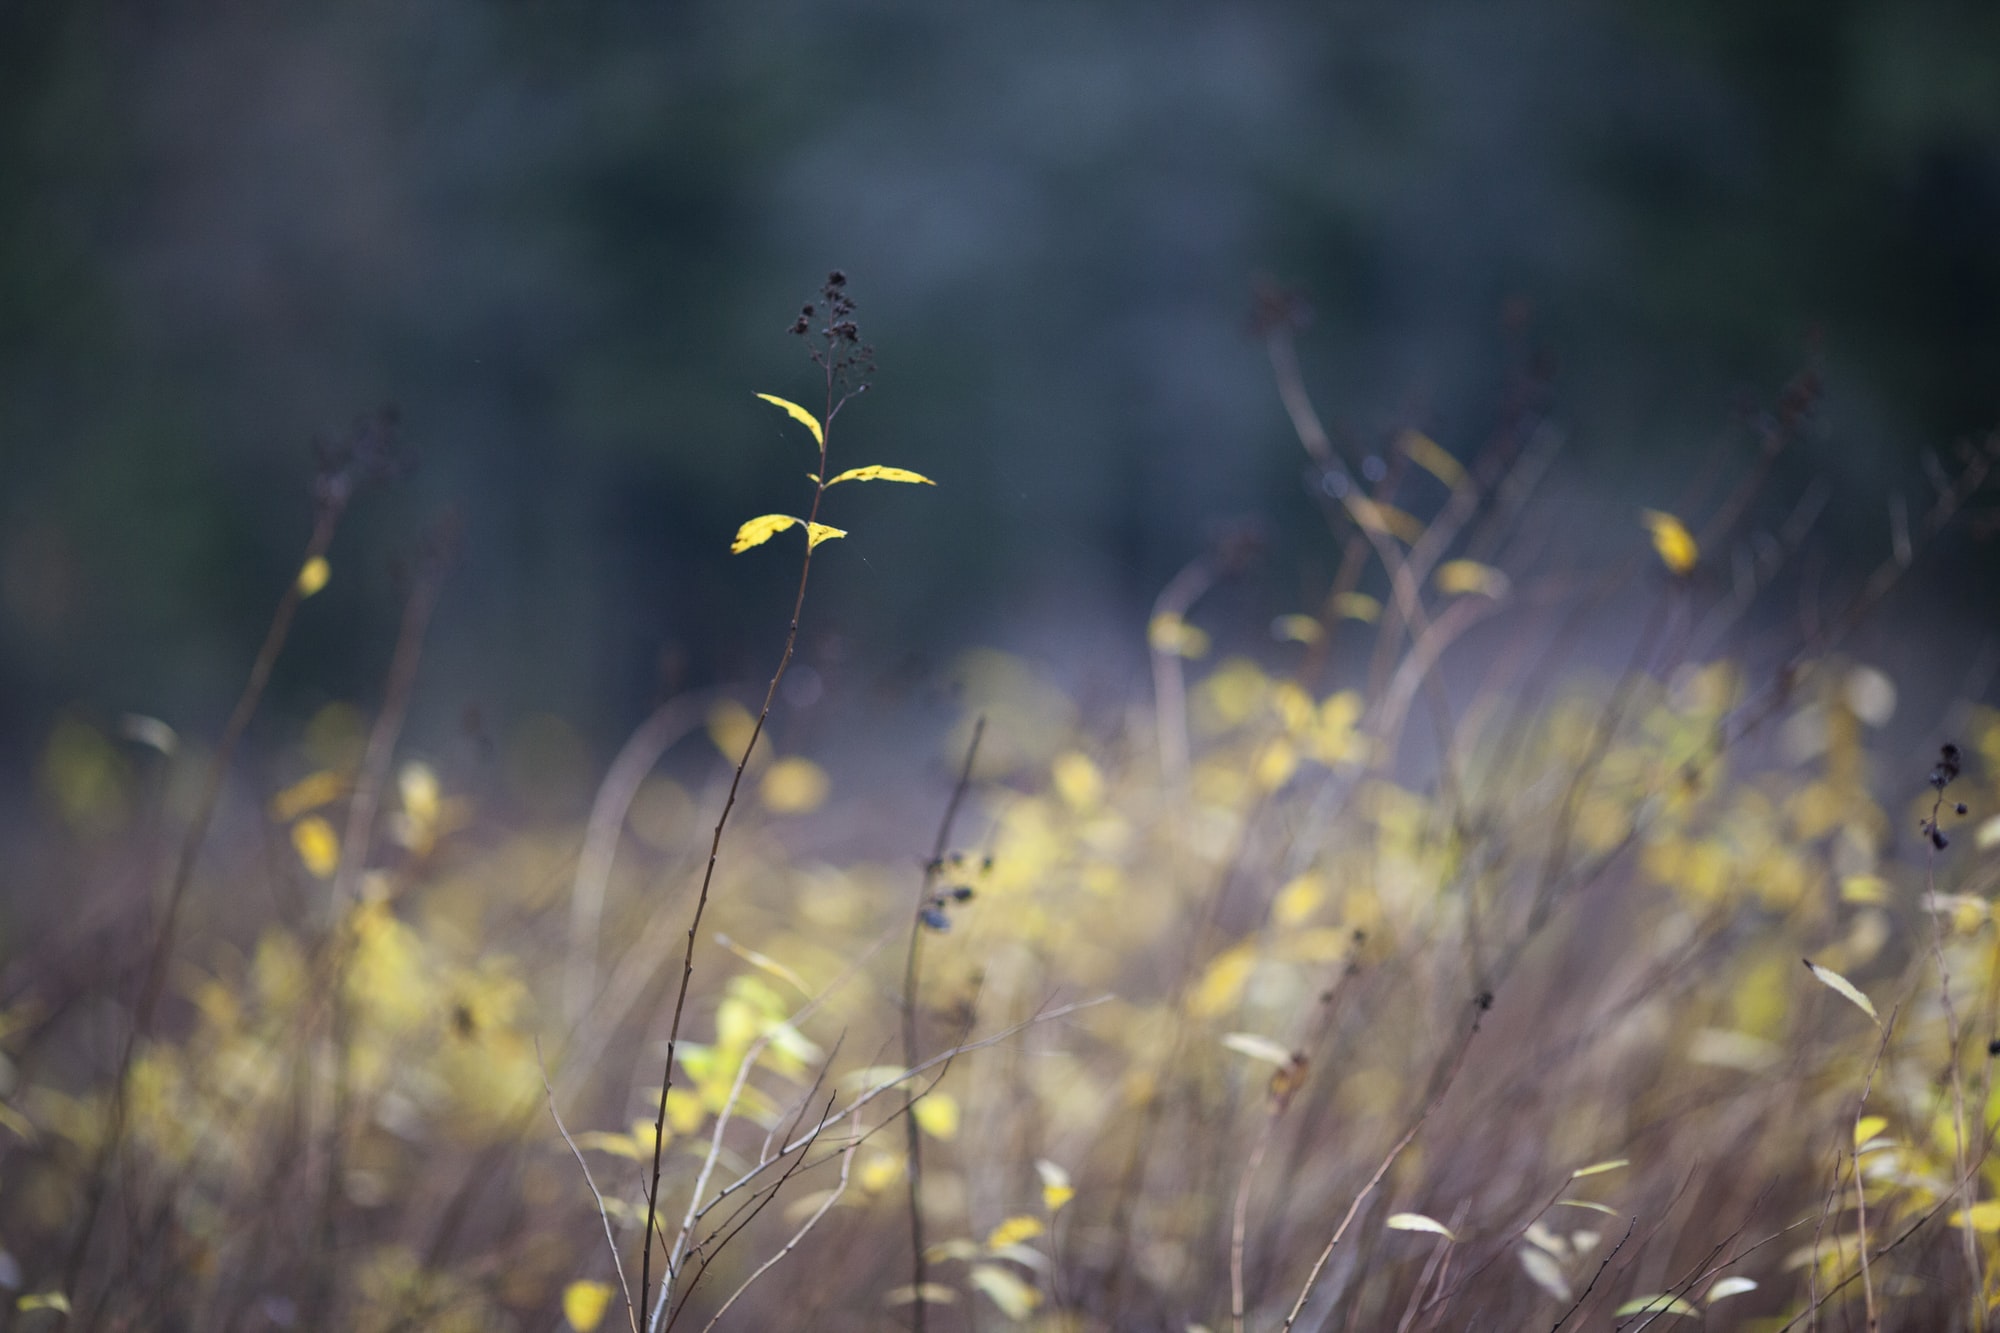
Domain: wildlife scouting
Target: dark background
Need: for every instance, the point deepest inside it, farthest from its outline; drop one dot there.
(567, 239)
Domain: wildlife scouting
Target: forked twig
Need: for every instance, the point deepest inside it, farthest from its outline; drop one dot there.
(826, 1206)
(1480, 1006)
(603, 1213)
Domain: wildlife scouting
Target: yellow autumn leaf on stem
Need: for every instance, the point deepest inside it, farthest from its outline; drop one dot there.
(937, 1115)
(317, 845)
(1429, 455)
(760, 530)
(1056, 1187)
(1842, 986)
(1387, 519)
(1982, 1217)
(1671, 539)
(1013, 1231)
(1418, 1222)
(820, 532)
(1016, 1299)
(308, 793)
(1172, 636)
(1296, 629)
(584, 1304)
(798, 414)
(313, 575)
(1464, 577)
(876, 472)
(1358, 606)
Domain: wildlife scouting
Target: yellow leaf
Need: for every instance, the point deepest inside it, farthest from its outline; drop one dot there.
(1606, 1209)
(1544, 1272)
(423, 799)
(584, 1304)
(1388, 519)
(1173, 636)
(1275, 764)
(1296, 629)
(1298, 900)
(821, 532)
(313, 575)
(794, 787)
(18, 1124)
(1056, 1187)
(937, 1115)
(1864, 889)
(1867, 1127)
(798, 414)
(1258, 1048)
(1459, 577)
(730, 727)
(44, 1300)
(1729, 1286)
(931, 1293)
(1418, 1222)
(1843, 986)
(760, 530)
(876, 472)
(879, 1171)
(1427, 454)
(308, 793)
(1982, 1216)
(1222, 983)
(1357, 606)
(1078, 781)
(1672, 540)
(685, 1114)
(618, 1145)
(1012, 1232)
(1599, 1168)
(317, 845)
(1016, 1299)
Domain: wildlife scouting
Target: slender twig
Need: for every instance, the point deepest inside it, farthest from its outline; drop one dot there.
(833, 405)
(913, 1136)
(603, 1213)
(1860, 1193)
(1449, 1077)
(653, 737)
(942, 1059)
(1954, 1035)
(1592, 1284)
(749, 1215)
(1164, 632)
(335, 491)
(826, 1206)
(1240, 1216)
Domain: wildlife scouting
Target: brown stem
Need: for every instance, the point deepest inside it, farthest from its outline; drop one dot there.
(333, 504)
(708, 875)
(913, 1137)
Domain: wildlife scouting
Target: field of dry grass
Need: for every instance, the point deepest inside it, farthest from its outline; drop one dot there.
(1302, 989)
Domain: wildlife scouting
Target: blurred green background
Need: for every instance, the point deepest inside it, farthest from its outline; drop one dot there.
(567, 239)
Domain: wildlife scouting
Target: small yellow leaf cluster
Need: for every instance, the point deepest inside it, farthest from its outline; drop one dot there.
(757, 531)
(1671, 541)
(584, 1304)
(313, 575)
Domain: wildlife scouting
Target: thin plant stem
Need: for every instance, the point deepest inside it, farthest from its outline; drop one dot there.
(1450, 1076)
(913, 1136)
(334, 499)
(833, 405)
